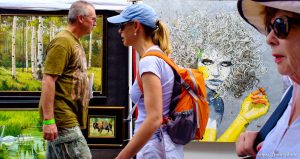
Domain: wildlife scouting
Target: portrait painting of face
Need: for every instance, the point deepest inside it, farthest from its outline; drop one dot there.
(216, 67)
(232, 56)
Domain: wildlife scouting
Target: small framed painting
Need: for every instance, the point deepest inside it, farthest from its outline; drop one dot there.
(105, 126)
(102, 126)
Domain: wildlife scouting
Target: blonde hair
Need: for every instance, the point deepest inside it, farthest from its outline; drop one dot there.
(160, 36)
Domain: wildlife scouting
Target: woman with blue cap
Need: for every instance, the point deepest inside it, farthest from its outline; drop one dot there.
(280, 22)
(141, 29)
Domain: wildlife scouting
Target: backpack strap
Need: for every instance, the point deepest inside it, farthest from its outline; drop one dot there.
(159, 54)
(276, 115)
(273, 119)
(139, 80)
(163, 56)
(129, 117)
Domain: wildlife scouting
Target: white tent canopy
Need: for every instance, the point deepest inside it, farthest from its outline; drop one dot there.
(55, 5)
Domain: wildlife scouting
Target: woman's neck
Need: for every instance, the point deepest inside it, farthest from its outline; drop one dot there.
(143, 47)
(295, 76)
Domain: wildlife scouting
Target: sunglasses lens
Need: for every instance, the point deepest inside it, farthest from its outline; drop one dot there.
(281, 27)
(269, 28)
(121, 26)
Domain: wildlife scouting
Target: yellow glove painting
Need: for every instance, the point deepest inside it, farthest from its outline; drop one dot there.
(210, 134)
(255, 105)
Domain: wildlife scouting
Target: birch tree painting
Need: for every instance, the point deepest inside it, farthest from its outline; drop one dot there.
(23, 41)
(13, 49)
(90, 50)
(33, 46)
(26, 46)
(40, 49)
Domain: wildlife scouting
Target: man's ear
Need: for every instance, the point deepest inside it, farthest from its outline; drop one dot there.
(80, 18)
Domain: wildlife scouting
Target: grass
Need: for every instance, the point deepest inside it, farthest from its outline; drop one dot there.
(25, 82)
(22, 123)
(97, 78)
(17, 121)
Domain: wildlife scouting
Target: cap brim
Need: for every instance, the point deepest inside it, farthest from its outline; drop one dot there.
(117, 19)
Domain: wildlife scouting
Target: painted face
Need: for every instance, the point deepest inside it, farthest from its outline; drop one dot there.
(286, 51)
(216, 68)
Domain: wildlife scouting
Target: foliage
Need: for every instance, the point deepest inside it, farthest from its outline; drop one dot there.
(97, 78)
(23, 82)
(16, 121)
(25, 126)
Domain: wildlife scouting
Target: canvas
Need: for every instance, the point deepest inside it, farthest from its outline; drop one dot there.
(211, 36)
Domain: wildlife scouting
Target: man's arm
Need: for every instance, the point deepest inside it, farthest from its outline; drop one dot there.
(47, 102)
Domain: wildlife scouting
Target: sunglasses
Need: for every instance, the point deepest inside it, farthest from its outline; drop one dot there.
(92, 18)
(282, 26)
(122, 25)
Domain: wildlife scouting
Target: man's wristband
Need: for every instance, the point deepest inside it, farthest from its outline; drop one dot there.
(49, 122)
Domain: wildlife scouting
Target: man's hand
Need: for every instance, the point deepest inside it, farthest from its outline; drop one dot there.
(50, 132)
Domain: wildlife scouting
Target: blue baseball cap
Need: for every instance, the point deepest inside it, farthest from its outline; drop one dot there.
(141, 12)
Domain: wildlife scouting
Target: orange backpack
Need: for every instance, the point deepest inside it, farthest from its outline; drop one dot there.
(189, 109)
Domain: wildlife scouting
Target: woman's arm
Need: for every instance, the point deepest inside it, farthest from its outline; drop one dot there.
(153, 105)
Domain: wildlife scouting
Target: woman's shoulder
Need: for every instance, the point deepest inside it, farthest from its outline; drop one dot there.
(153, 61)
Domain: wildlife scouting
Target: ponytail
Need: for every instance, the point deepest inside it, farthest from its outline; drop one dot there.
(160, 36)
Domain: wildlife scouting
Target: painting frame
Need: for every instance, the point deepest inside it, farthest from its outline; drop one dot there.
(29, 99)
(98, 124)
(116, 113)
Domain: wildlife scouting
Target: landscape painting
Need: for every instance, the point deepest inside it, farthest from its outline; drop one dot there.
(21, 134)
(23, 41)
